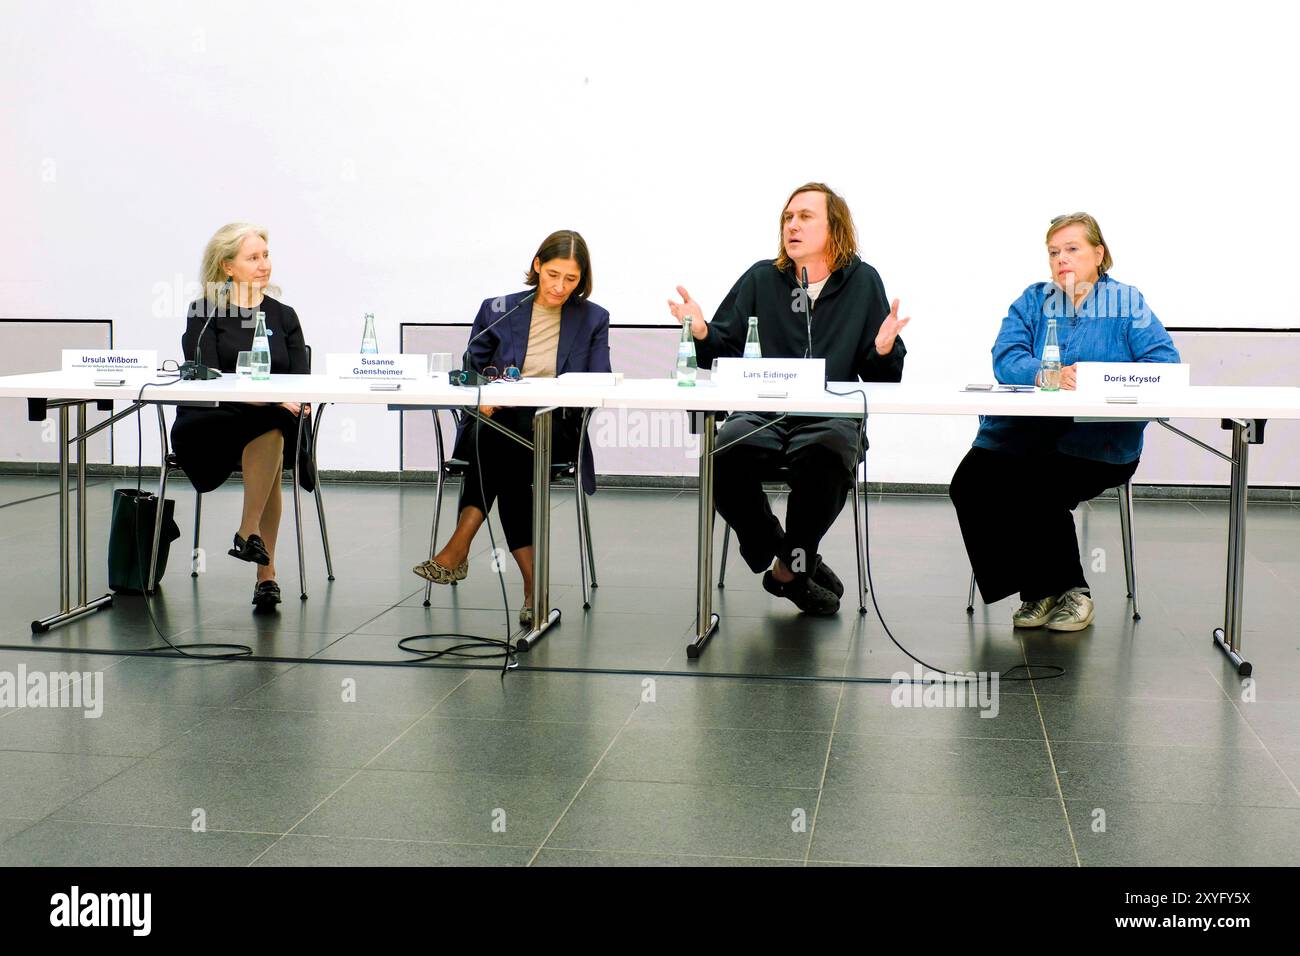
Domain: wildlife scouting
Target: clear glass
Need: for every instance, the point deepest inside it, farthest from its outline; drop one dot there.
(440, 363)
(261, 354)
(752, 348)
(1049, 371)
(244, 366)
(687, 366)
(369, 343)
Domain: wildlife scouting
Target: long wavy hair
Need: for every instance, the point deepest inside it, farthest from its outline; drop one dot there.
(842, 245)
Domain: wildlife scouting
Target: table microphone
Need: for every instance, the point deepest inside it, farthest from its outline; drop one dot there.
(196, 370)
(467, 376)
(808, 307)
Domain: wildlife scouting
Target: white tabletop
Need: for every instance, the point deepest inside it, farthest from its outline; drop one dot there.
(665, 394)
(535, 393)
(905, 399)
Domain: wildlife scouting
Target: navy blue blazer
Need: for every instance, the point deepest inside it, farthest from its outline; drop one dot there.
(583, 347)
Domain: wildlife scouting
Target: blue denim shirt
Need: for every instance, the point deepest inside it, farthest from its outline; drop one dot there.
(1113, 324)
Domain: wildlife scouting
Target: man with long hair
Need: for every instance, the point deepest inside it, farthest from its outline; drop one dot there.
(816, 299)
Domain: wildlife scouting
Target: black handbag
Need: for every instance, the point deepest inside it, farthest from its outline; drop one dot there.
(130, 538)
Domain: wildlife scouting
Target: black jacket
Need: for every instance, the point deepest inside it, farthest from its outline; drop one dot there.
(845, 319)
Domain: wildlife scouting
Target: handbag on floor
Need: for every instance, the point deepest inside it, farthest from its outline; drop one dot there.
(130, 538)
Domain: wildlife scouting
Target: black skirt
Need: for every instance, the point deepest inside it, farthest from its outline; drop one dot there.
(209, 442)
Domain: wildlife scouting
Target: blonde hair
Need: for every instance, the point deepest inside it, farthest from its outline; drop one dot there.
(1093, 232)
(222, 248)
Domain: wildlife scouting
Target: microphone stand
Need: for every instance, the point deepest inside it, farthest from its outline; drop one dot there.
(467, 376)
(196, 371)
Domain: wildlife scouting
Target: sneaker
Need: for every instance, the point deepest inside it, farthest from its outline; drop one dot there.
(1033, 613)
(827, 578)
(807, 595)
(1073, 612)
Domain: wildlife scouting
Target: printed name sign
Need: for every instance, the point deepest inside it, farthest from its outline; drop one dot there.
(380, 367)
(794, 376)
(1122, 378)
(111, 361)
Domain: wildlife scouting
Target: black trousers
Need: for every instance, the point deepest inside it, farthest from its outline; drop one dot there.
(507, 467)
(818, 457)
(1014, 512)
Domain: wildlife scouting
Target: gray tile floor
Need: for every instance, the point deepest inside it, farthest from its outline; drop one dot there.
(1149, 750)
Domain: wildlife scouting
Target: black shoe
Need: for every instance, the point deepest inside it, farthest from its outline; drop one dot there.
(807, 595)
(254, 549)
(827, 578)
(266, 595)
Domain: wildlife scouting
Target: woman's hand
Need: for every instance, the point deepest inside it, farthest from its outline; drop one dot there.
(1069, 377)
(889, 330)
(689, 310)
(487, 410)
(294, 408)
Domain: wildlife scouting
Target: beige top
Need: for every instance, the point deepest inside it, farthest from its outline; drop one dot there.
(543, 343)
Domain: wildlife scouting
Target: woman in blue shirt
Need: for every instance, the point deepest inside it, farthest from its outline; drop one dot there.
(1016, 487)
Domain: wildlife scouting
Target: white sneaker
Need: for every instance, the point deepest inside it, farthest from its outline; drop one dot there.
(1033, 613)
(1073, 612)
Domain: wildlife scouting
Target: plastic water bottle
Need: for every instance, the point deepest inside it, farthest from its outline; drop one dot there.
(686, 363)
(1049, 372)
(752, 348)
(261, 356)
(369, 343)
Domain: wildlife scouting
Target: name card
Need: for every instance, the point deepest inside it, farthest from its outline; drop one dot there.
(1131, 378)
(381, 367)
(111, 361)
(791, 376)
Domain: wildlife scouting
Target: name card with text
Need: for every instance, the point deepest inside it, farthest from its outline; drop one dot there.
(138, 362)
(1131, 378)
(791, 376)
(380, 367)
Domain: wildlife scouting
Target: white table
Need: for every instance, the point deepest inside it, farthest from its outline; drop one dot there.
(1246, 408)
(65, 391)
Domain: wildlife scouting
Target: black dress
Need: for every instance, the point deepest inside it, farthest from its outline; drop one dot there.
(209, 442)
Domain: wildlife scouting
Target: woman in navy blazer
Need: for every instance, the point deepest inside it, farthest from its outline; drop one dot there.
(552, 330)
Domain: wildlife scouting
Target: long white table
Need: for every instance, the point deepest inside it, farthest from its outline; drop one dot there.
(1244, 409)
(66, 391)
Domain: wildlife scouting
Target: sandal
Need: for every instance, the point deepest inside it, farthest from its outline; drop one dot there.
(526, 617)
(431, 570)
(254, 550)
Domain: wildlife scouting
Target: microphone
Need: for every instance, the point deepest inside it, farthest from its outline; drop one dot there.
(196, 370)
(467, 376)
(808, 305)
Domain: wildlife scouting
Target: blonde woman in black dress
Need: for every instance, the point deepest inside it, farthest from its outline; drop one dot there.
(258, 438)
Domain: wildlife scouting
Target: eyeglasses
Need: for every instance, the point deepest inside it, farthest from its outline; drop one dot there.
(493, 374)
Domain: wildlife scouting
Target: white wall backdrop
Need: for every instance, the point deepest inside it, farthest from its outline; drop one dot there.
(407, 158)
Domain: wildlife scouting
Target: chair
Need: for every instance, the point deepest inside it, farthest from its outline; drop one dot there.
(170, 465)
(780, 475)
(1126, 532)
(455, 467)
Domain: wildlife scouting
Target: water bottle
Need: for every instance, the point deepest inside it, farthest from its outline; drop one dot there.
(752, 348)
(261, 350)
(686, 363)
(369, 343)
(1049, 372)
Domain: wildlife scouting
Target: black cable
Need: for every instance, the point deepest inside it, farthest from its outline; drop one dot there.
(504, 649)
(871, 586)
(236, 650)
